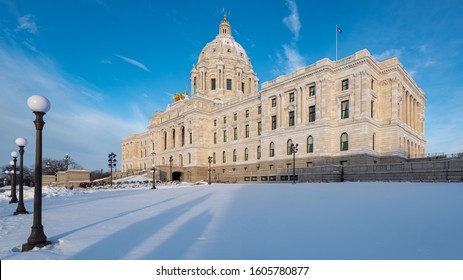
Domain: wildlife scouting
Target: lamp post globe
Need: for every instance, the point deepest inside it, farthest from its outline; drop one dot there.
(14, 198)
(22, 143)
(39, 105)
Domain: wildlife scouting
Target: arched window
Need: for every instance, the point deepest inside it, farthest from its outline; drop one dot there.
(310, 144)
(288, 146)
(234, 155)
(344, 142)
(272, 149)
(246, 155)
(259, 153)
(224, 158)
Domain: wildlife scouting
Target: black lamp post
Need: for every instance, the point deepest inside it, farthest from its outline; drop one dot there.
(209, 160)
(171, 159)
(40, 106)
(14, 198)
(112, 164)
(153, 170)
(55, 171)
(293, 149)
(66, 160)
(21, 142)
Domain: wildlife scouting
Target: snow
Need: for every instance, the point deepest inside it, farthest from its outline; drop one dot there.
(319, 221)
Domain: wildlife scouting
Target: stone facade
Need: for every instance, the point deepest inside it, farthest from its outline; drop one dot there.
(356, 110)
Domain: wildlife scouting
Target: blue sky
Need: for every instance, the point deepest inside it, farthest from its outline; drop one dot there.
(106, 66)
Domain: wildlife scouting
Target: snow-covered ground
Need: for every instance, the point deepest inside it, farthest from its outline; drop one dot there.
(323, 221)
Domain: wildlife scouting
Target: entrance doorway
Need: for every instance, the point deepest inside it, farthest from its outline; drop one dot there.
(177, 176)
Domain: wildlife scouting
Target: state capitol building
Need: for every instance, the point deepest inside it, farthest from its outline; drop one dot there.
(356, 110)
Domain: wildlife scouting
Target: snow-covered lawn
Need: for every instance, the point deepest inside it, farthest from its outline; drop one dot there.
(380, 221)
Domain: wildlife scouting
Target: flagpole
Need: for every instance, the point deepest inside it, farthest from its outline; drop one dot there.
(336, 42)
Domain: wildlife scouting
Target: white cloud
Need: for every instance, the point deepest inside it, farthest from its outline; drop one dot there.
(28, 24)
(292, 21)
(388, 54)
(133, 62)
(76, 124)
(106, 61)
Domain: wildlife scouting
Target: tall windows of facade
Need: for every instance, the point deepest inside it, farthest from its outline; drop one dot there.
(312, 90)
(215, 137)
(165, 140)
(274, 122)
(246, 131)
(345, 84)
(229, 84)
(234, 155)
(272, 149)
(225, 136)
(259, 128)
(291, 97)
(259, 152)
(235, 133)
(246, 154)
(183, 136)
(310, 144)
(274, 102)
(344, 142)
(288, 146)
(213, 85)
(345, 109)
(224, 157)
(312, 113)
(291, 118)
(213, 158)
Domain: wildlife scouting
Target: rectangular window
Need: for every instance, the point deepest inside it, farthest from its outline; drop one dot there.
(372, 84)
(291, 118)
(345, 109)
(345, 84)
(259, 128)
(191, 137)
(235, 133)
(309, 164)
(229, 84)
(274, 122)
(246, 131)
(289, 166)
(212, 84)
(242, 87)
(224, 120)
(312, 113)
(247, 113)
(372, 109)
(215, 137)
(224, 136)
(259, 110)
(274, 102)
(312, 91)
(291, 97)
(235, 116)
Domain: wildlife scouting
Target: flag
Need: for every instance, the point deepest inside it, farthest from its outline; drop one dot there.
(339, 30)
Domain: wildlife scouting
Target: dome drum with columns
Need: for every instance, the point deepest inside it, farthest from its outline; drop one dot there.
(356, 110)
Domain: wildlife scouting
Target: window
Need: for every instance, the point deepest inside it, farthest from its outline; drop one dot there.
(246, 130)
(235, 116)
(272, 149)
(289, 166)
(173, 138)
(165, 140)
(242, 87)
(234, 155)
(345, 109)
(372, 84)
(274, 102)
(344, 142)
(235, 133)
(213, 158)
(259, 153)
(183, 136)
(215, 122)
(259, 128)
(247, 113)
(291, 118)
(291, 97)
(312, 113)
(289, 143)
(345, 84)
(229, 84)
(274, 122)
(191, 138)
(259, 110)
(224, 120)
(374, 136)
(246, 154)
(312, 91)
(310, 144)
(213, 84)
(309, 164)
(224, 136)
(189, 158)
(224, 157)
(215, 137)
(372, 109)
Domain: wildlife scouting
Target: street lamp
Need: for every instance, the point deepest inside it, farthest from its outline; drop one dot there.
(14, 199)
(112, 164)
(55, 171)
(153, 170)
(40, 106)
(293, 149)
(21, 142)
(66, 160)
(171, 159)
(209, 160)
